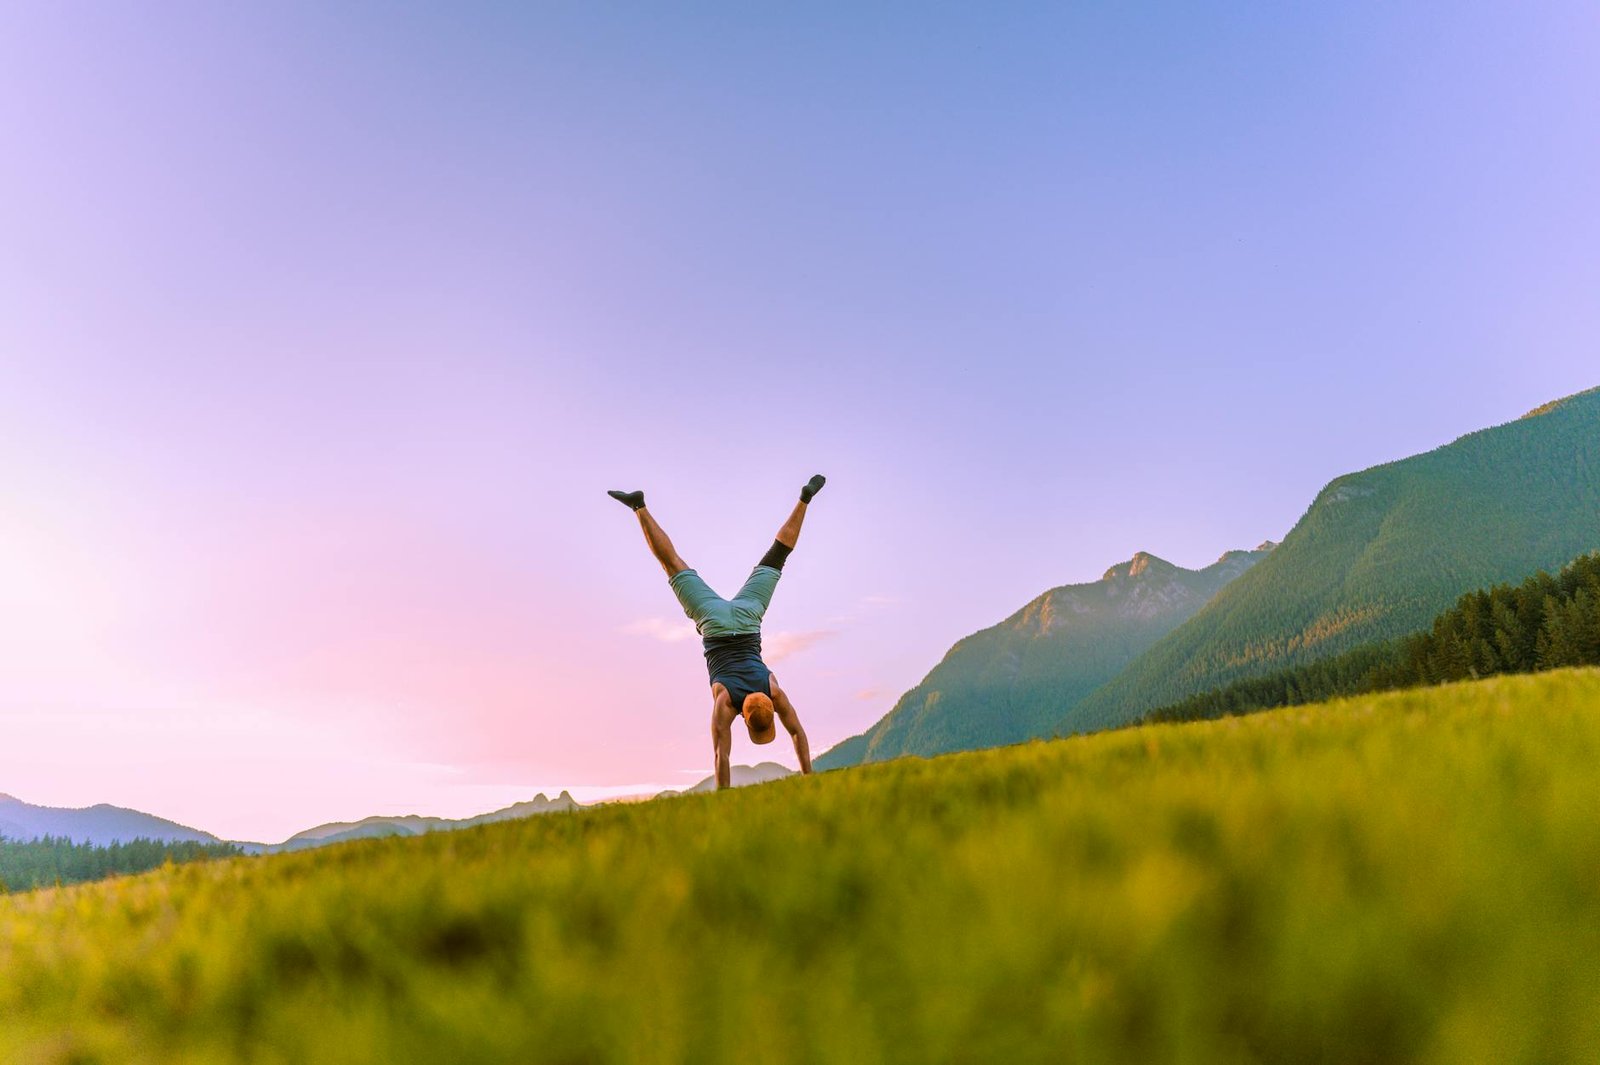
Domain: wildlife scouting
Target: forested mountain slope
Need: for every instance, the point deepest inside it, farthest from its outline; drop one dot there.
(1549, 621)
(1011, 682)
(1379, 553)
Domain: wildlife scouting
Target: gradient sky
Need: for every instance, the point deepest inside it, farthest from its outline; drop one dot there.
(324, 328)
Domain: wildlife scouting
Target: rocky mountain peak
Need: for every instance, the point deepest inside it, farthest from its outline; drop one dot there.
(1229, 556)
(1141, 564)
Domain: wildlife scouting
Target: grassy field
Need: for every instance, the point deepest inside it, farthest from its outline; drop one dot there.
(1409, 877)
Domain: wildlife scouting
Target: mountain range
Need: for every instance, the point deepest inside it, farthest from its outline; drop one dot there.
(1014, 680)
(415, 825)
(101, 825)
(104, 824)
(1378, 554)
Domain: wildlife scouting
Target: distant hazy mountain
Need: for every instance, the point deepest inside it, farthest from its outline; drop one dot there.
(1380, 552)
(412, 825)
(111, 824)
(739, 776)
(415, 825)
(1014, 681)
(100, 824)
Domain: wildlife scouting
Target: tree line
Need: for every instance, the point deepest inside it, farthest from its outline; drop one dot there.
(1546, 622)
(53, 860)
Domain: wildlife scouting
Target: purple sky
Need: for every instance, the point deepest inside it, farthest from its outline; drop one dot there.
(323, 330)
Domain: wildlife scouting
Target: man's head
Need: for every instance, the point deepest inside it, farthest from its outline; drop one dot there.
(757, 713)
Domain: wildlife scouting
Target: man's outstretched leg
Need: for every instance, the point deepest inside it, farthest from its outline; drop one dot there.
(789, 535)
(757, 591)
(654, 534)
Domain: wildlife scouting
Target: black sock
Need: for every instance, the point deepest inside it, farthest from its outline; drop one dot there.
(812, 487)
(631, 500)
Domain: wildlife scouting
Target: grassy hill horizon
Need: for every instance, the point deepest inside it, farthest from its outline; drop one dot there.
(1402, 878)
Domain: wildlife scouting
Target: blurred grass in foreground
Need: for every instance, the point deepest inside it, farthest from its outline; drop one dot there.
(1406, 877)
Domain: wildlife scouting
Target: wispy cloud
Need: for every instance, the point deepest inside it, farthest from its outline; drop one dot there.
(660, 629)
(780, 645)
(864, 605)
(869, 695)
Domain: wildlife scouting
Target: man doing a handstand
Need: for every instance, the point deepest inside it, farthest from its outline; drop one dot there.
(730, 629)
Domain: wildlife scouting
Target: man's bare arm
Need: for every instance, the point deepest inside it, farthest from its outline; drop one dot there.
(722, 716)
(802, 746)
(791, 721)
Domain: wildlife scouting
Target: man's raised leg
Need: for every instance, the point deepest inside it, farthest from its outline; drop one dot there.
(758, 589)
(660, 545)
(789, 535)
(654, 534)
